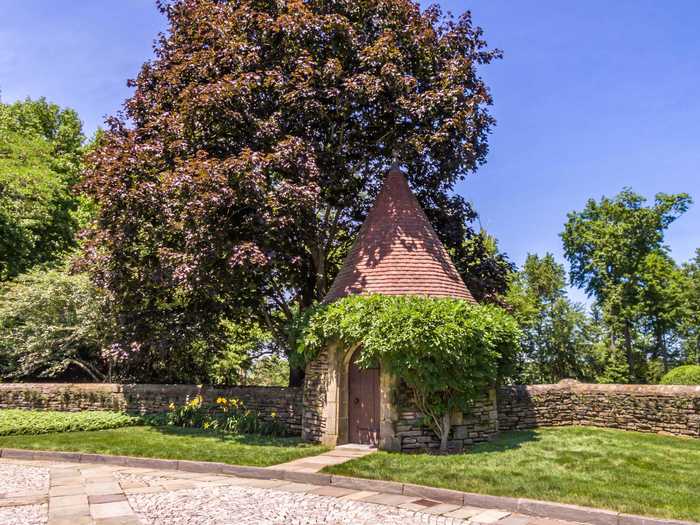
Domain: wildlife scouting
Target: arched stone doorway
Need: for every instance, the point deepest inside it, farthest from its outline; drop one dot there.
(363, 403)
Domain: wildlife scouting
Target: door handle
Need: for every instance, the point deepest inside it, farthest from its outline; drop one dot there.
(357, 401)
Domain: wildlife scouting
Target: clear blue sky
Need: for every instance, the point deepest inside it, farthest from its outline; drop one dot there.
(591, 96)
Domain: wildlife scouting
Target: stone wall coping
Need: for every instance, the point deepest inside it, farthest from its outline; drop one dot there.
(119, 387)
(591, 388)
(526, 506)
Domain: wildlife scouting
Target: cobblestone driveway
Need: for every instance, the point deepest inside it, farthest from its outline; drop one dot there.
(57, 493)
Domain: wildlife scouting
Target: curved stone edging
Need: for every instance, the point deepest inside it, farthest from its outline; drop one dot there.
(521, 505)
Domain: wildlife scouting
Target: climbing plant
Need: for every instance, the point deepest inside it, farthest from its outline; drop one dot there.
(448, 352)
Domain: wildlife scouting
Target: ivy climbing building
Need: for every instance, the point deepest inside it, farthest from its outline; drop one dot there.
(397, 252)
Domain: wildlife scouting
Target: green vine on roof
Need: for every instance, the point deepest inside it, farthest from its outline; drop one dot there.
(448, 352)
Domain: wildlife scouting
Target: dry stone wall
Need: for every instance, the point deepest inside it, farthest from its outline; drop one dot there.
(315, 398)
(644, 408)
(478, 424)
(286, 403)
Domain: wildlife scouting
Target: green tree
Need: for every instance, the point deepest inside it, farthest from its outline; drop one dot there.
(51, 324)
(252, 148)
(557, 342)
(609, 245)
(690, 327)
(40, 151)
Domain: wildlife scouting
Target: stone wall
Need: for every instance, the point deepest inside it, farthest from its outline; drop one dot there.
(479, 424)
(315, 398)
(644, 408)
(144, 398)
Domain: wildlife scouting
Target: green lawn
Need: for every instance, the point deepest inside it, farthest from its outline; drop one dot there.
(171, 443)
(624, 471)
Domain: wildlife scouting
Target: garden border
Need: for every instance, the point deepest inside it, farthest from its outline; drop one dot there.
(526, 506)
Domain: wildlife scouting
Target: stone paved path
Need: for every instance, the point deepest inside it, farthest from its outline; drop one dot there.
(338, 455)
(57, 493)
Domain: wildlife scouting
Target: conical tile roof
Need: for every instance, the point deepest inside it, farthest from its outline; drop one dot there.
(397, 251)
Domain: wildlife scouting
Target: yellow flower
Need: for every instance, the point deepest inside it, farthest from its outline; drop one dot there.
(221, 400)
(171, 406)
(273, 414)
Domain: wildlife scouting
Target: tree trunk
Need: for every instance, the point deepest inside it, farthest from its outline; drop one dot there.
(296, 375)
(628, 349)
(445, 434)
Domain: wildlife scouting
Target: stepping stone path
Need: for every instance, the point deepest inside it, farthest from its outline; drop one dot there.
(34, 492)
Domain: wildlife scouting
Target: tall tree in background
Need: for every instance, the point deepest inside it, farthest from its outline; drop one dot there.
(252, 147)
(616, 252)
(40, 151)
(557, 333)
(690, 328)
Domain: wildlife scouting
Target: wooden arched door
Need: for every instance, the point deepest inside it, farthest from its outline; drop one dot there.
(363, 403)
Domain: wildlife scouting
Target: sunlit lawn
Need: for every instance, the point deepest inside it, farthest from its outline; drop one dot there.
(171, 443)
(625, 471)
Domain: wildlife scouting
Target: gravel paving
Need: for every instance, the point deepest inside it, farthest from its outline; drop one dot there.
(25, 515)
(21, 478)
(252, 506)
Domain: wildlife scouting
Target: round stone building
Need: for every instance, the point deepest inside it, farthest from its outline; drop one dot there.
(397, 252)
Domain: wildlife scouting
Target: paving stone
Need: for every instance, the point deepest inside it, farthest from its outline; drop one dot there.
(68, 512)
(111, 510)
(297, 487)
(359, 494)
(465, 513)
(334, 492)
(71, 520)
(515, 519)
(96, 489)
(106, 498)
(68, 501)
(67, 490)
(389, 499)
(443, 508)
(489, 516)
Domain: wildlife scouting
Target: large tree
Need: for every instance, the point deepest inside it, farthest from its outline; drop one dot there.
(616, 252)
(557, 334)
(252, 147)
(40, 150)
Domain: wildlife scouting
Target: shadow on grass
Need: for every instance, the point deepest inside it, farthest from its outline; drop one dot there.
(505, 441)
(243, 439)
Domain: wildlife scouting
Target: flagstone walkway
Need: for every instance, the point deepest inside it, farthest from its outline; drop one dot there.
(60, 493)
(338, 455)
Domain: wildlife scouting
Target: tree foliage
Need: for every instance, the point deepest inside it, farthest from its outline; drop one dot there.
(557, 334)
(616, 252)
(51, 324)
(255, 142)
(40, 150)
(682, 375)
(448, 352)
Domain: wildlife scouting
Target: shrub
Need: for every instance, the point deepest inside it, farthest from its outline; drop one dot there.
(447, 351)
(50, 320)
(15, 422)
(226, 415)
(682, 375)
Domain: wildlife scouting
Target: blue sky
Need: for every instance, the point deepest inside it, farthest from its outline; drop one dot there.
(590, 97)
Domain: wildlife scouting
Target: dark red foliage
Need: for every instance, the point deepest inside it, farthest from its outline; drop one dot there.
(252, 147)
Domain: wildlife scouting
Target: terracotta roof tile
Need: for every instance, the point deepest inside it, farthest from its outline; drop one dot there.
(397, 251)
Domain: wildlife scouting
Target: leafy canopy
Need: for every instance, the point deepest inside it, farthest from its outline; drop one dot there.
(254, 144)
(616, 252)
(40, 151)
(51, 321)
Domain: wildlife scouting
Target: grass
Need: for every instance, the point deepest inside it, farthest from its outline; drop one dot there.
(172, 443)
(13, 422)
(630, 472)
